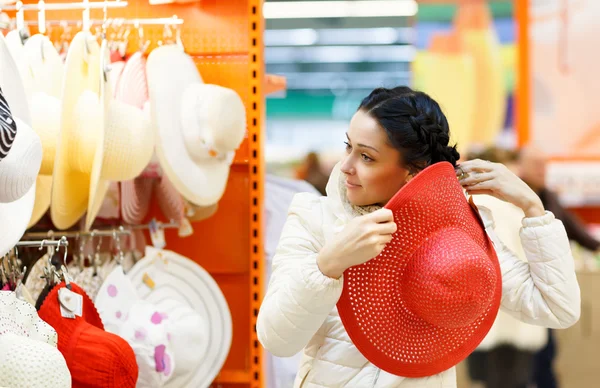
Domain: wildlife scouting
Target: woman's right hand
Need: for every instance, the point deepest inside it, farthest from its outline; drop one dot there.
(362, 239)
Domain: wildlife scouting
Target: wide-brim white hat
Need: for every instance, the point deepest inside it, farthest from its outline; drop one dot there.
(19, 169)
(82, 129)
(198, 126)
(169, 280)
(125, 149)
(46, 70)
(14, 217)
(12, 84)
(17, 49)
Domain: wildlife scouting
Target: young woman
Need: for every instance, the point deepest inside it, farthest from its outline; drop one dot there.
(395, 134)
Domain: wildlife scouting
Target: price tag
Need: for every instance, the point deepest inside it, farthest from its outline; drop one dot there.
(147, 280)
(185, 229)
(71, 303)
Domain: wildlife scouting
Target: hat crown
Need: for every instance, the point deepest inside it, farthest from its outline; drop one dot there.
(145, 328)
(45, 115)
(85, 137)
(21, 318)
(213, 120)
(21, 165)
(45, 65)
(450, 280)
(128, 142)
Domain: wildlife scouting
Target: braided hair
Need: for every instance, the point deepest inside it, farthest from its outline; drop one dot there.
(415, 125)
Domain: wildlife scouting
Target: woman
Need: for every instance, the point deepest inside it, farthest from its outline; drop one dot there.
(395, 134)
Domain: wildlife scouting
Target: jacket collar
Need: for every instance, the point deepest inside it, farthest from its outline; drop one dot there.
(338, 200)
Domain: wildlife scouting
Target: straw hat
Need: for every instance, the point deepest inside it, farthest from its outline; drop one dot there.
(46, 73)
(441, 285)
(125, 149)
(82, 129)
(198, 126)
(101, 140)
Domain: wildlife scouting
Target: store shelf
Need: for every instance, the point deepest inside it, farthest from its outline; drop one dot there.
(225, 40)
(233, 377)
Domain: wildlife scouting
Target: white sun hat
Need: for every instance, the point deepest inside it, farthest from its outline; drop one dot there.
(198, 126)
(22, 151)
(16, 47)
(192, 299)
(125, 148)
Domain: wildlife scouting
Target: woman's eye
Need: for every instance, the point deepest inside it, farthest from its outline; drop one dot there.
(348, 146)
(366, 158)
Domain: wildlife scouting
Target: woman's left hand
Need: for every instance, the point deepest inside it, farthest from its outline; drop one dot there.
(495, 179)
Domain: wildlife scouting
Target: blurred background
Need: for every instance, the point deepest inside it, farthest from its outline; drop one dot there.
(517, 81)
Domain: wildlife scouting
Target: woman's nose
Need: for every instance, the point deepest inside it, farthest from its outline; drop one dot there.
(347, 167)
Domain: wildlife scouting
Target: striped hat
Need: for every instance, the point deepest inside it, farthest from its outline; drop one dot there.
(8, 127)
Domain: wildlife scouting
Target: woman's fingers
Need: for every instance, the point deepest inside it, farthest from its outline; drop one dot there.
(386, 228)
(381, 215)
(488, 185)
(480, 192)
(475, 177)
(476, 165)
(386, 238)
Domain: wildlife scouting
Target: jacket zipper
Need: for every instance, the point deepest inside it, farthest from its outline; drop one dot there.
(304, 379)
(376, 377)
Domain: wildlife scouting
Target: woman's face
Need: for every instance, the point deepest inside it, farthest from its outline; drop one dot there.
(372, 166)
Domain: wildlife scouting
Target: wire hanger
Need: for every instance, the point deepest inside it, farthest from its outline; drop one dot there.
(119, 256)
(20, 16)
(64, 273)
(42, 19)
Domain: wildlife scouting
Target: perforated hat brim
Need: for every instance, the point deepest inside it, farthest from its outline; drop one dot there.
(442, 247)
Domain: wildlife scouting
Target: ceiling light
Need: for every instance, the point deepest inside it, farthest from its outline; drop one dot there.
(339, 9)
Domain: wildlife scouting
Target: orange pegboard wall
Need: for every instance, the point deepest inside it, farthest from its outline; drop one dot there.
(225, 40)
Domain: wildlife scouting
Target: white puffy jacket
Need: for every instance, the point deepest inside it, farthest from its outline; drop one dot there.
(299, 310)
(506, 329)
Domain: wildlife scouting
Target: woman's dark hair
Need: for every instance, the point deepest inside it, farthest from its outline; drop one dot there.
(415, 125)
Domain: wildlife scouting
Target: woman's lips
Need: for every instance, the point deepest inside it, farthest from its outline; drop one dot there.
(351, 185)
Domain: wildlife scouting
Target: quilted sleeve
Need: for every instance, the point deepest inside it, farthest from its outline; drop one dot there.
(544, 290)
(299, 297)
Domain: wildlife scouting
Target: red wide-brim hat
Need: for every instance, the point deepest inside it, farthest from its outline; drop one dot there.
(429, 299)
